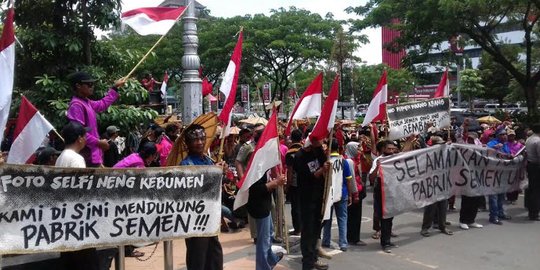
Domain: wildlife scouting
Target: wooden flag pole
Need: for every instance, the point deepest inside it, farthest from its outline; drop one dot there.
(328, 176)
(221, 144)
(153, 47)
(282, 221)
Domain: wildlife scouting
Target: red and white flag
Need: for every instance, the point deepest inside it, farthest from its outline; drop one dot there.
(377, 107)
(229, 84)
(309, 105)
(7, 69)
(443, 90)
(265, 157)
(152, 20)
(30, 131)
(326, 121)
(163, 88)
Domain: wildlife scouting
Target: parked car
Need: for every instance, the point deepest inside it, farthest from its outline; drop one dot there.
(491, 107)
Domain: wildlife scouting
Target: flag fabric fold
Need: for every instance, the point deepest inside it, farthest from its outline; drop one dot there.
(207, 87)
(309, 105)
(30, 131)
(163, 88)
(7, 69)
(265, 156)
(443, 90)
(327, 119)
(377, 107)
(152, 20)
(229, 84)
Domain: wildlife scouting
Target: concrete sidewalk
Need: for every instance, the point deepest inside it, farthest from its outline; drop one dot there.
(238, 254)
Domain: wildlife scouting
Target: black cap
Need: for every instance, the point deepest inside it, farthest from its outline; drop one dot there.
(72, 131)
(44, 155)
(80, 77)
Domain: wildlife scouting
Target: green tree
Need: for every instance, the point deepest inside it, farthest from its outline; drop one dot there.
(286, 41)
(342, 57)
(471, 85)
(425, 24)
(367, 77)
(57, 39)
(496, 78)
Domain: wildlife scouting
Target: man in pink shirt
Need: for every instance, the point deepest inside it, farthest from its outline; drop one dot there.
(83, 110)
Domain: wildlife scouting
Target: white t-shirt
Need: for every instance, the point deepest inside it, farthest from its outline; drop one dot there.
(70, 159)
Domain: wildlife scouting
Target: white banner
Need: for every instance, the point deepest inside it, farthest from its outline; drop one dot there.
(61, 209)
(406, 119)
(336, 185)
(415, 179)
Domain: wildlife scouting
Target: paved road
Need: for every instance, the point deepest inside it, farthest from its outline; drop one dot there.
(514, 245)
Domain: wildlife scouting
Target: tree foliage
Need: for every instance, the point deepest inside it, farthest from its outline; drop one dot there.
(496, 78)
(470, 84)
(57, 39)
(426, 24)
(367, 77)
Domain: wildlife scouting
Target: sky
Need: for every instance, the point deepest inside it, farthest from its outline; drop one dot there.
(369, 53)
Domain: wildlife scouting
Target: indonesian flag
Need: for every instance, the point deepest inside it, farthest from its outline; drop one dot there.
(443, 90)
(265, 157)
(164, 85)
(326, 121)
(377, 107)
(30, 131)
(228, 85)
(152, 20)
(309, 104)
(7, 69)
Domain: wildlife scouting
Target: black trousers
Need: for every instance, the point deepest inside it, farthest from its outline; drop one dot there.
(88, 259)
(294, 197)
(469, 208)
(385, 223)
(204, 253)
(429, 215)
(533, 191)
(311, 229)
(354, 222)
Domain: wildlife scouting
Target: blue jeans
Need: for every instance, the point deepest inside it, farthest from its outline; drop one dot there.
(265, 259)
(341, 215)
(496, 206)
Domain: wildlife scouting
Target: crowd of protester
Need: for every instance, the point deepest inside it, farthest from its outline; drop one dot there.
(303, 170)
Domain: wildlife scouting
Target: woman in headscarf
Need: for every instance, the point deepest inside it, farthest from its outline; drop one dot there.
(354, 211)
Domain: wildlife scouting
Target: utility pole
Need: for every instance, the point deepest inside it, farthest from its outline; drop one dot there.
(191, 83)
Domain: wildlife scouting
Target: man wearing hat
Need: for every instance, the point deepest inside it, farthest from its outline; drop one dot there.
(83, 110)
(47, 156)
(496, 211)
(440, 208)
(111, 156)
(202, 253)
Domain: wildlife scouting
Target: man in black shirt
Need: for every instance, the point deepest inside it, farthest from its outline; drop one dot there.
(292, 181)
(311, 165)
(259, 206)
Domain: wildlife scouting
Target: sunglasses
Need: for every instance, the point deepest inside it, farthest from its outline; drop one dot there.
(90, 84)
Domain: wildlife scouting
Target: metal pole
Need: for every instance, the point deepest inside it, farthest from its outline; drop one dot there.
(191, 83)
(120, 260)
(168, 255)
(458, 69)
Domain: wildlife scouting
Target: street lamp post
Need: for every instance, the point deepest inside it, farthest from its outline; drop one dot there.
(191, 83)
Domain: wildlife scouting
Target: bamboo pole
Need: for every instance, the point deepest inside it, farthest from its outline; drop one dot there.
(328, 176)
(153, 47)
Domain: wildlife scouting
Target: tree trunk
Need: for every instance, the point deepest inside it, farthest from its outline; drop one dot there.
(87, 50)
(530, 94)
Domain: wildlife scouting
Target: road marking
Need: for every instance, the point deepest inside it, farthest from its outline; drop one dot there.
(410, 260)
